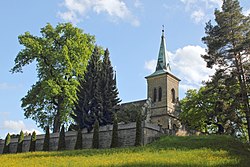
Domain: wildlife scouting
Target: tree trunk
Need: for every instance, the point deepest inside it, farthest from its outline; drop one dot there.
(57, 119)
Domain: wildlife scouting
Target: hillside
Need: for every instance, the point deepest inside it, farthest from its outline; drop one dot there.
(167, 151)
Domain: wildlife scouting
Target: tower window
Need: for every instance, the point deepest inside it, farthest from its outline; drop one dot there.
(159, 94)
(173, 95)
(155, 95)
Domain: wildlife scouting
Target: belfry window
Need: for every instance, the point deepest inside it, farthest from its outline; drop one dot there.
(173, 95)
(159, 94)
(155, 95)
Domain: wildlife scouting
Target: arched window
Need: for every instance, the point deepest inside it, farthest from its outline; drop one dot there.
(173, 95)
(159, 94)
(155, 95)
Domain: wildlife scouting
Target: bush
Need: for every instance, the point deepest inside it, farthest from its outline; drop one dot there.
(61, 142)
(78, 145)
(6, 148)
(46, 140)
(20, 142)
(138, 135)
(95, 140)
(33, 142)
(114, 140)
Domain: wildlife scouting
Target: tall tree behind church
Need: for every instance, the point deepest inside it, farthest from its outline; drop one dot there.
(228, 46)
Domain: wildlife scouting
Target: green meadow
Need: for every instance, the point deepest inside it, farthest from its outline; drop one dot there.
(167, 151)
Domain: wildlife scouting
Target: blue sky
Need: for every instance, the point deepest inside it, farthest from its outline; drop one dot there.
(131, 29)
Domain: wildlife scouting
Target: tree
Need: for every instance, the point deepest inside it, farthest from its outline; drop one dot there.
(6, 148)
(138, 135)
(33, 142)
(228, 47)
(87, 109)
(78, 145)
(20, 142)
(114, 140)
(61, 55)
(46, 140)
(95, 140)
(61, 142)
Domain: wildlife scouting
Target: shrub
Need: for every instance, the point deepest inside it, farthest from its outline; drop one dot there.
(114, 140)
(61, 142)
(20, 142)
(46, 140)
(6, 148)
(138, 135)
(95, 140)
(78, 145)
(33, 142)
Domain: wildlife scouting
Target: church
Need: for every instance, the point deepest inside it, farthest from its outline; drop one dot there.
(162, 93)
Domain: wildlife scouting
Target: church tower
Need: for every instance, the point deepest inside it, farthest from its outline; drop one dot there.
(163, 90)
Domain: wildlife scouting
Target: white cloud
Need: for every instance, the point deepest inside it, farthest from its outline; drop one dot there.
(7, 86)
(115, 9)
(246, 12)
(150, 65)
(14, 127)
(198, 16)
(187, 64)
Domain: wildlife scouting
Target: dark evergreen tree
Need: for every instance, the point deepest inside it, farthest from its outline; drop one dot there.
(108, 89)
(33, 142)
(138, 136)
(88, 106)
(46, 140)
(61, 142)
(6, 148)
(95, 140)
(114, 140)
(78, 145)
(228, 47)
(20, 142)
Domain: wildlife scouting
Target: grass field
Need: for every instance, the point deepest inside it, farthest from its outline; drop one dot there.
(167, 151)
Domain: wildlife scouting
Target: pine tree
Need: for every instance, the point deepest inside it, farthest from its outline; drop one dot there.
(6, 148)
(95, 140)
(78, 145)
(46, 140)
(33, 142)
(114, 140)
(61, 142)
(20, 142)
(138, 135)
(228, 46)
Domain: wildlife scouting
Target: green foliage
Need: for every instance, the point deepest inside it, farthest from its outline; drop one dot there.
(6, 148)
(78, 145)
(61, 142)
(228, 48)
(61, 55)
(128, 113)
(33, 142)
(46, 140)
(20, 142)
(138, 135)
(95, 140)
(114, 140)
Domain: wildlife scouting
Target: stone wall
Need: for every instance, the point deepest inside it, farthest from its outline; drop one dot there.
(126, 137)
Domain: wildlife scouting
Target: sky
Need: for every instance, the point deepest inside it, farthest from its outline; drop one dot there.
(130, 29)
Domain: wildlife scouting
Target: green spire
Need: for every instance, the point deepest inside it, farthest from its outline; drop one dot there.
(163, 62)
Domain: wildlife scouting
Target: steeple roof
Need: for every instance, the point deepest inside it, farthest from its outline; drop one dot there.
(163, 65)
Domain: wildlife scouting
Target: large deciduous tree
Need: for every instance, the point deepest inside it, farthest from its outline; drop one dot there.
(228, 46)
(61, 55)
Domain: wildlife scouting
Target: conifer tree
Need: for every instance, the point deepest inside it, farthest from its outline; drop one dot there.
(114, 140)
(33, 142)
(138, 135)
(61, 142)
(6, 148)
(228, 46)
(78, 145)
(20, 142)
(95, 140)
(46, 140)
